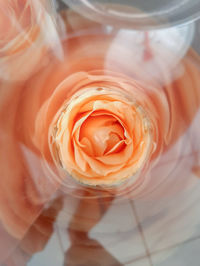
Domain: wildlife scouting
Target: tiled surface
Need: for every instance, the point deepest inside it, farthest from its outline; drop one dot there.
(119, 237)
(141, 262)
(133, 245)
(141, 232)
(185, 254)
(171, 221)
(52, 255)
(118, 233)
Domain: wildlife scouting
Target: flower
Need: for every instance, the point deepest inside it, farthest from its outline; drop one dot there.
(32, 163)
(102, 136)
(23, 37)
(51, 90)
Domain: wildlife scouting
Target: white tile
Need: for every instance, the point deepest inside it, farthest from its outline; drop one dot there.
(172, 214)
(51, 255)
(183, 255)
(140, 262)
(68, 210)
(118, 232)
(63, 239)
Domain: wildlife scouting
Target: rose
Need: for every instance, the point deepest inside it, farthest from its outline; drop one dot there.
(31, 116)
(160, 103)
(26, 31)
(102, 136)
(87, 53)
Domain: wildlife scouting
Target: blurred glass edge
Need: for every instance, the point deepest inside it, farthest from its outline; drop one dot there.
(136, 20)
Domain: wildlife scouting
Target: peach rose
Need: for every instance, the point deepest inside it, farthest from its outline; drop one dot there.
(28, 114)
(26, 31)
(102, 136)
(51, 90)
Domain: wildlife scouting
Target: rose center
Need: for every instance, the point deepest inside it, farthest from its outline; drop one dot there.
(101, 134)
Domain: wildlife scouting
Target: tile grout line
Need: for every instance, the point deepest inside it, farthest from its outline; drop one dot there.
(141, 233)
(175, 245)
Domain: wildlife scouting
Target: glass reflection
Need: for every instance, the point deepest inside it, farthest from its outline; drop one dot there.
(47, 220)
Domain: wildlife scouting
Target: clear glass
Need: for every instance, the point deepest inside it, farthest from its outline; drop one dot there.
(138, 14)
(47, 217)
